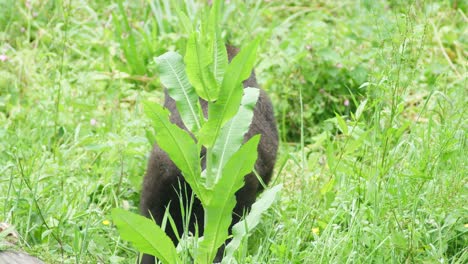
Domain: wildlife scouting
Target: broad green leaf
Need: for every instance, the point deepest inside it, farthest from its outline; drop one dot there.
(150, 136)
(342, 124)
(186, 23)
(230, 94)
(232, 135)
(219, 113)
(145, 235)
(198, 61)
(218, 49)
(172, 73)
(220, 59)
(360, 109)
(241, 230)
(204, 25)
(218, 210)
(328, 187)
(177, 143)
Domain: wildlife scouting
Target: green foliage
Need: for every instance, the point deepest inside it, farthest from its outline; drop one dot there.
(173, 77)
(391, 190)
(177, 143)
(220, 204)
(145, 235)
(135, 60)
(230, 94)
(228, 160)
(145, 29)
(327, 64)
(240, 231)
(232, 134)
(199, 62)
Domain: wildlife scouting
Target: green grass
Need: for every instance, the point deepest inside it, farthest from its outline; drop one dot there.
(387, 185)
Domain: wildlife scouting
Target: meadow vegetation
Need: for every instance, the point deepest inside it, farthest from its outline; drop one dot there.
(370, 99)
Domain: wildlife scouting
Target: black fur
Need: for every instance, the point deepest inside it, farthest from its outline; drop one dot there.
(163, 178)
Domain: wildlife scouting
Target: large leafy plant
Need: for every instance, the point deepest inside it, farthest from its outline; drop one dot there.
(204, 73)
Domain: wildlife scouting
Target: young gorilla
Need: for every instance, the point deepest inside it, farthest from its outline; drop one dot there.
(163, 181)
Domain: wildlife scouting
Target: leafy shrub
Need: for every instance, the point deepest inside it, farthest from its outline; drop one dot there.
(207, 75)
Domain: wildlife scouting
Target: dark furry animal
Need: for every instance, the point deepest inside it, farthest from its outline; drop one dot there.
(161, 185)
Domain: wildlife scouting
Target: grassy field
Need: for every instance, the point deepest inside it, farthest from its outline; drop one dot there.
(370, 97)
